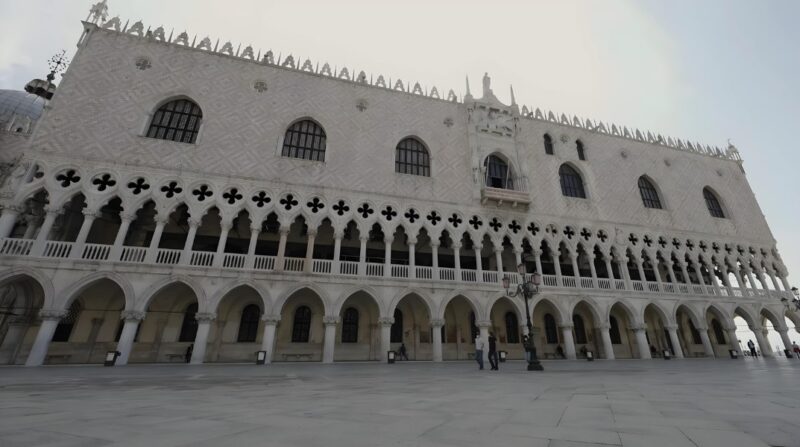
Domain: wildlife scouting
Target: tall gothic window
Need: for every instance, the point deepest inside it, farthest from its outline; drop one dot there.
(302, 325)
(497, 173)
(177, 120)
(550, 330)
(411, 157)
(512, 328)
(649, 194)
(397, 327)
(616, 337)
(306, 140)
(248, 325)
(350, 326)
(580, 329)
(571, 182)
(548, 144)
(189, 325)
(719, 334)
(579, 148)
(65, 326)
(712, 202)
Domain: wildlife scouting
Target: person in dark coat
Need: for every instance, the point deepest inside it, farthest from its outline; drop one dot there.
(493, 352)
(401, 352)
(189, 350)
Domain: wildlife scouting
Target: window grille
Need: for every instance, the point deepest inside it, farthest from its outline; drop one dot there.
(571, 182)
(412, 157)
(305, 140)
(177, 120)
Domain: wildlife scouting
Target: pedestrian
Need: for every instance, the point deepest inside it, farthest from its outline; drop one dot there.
(752, 347)
(479, 351)
(560, 352)
(796, 349)
(402, 352)
(493, 359)
(189, 350)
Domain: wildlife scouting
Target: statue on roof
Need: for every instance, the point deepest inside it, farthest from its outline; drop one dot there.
(98, 13)
(487, 86)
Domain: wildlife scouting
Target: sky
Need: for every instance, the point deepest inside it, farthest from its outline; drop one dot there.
(707, 71)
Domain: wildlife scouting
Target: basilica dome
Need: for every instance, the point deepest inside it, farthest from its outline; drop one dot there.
(21, 104)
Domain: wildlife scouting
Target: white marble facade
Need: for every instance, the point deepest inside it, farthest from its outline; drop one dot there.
(113, 240)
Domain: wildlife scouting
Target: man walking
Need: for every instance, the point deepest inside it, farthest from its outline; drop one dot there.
(752, 347)
(493, 352)
(479, 351)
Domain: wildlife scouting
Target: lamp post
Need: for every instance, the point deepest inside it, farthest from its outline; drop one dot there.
(528, 288)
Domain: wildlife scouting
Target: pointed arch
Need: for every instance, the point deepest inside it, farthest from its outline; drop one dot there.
(79, 286)
(216, 300)
(199, 292)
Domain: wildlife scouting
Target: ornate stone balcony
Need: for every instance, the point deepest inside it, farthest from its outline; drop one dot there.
(57, 250)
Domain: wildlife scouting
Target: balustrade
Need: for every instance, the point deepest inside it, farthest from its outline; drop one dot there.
(133, 254)
(96, 252)
(294, 264)
(324, 266)
(16, 247)
(264, 262)
(349, 268)
(447, 274)
(374, 269)
(168, 256)
(234, 261)
(56, 249)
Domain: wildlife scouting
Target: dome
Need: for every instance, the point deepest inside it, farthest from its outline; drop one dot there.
(15, 102)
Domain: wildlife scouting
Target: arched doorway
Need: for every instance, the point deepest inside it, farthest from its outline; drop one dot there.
(358, 335)
(21, 298)
(460, 329)
(506, 325)
(237, 332)
(169, 329)
(412, 327)
(301, 333)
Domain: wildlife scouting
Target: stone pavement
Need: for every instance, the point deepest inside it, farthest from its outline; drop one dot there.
(629, 403)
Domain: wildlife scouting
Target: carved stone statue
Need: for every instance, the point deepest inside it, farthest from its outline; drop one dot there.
(487, 85)
(98, 13)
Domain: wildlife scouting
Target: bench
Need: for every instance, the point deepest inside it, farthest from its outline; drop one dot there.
(64, 358)
(297, 357)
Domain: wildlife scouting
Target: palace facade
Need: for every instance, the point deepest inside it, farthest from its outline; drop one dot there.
(178, 191)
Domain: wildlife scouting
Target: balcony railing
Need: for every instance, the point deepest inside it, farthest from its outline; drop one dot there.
(26, 248)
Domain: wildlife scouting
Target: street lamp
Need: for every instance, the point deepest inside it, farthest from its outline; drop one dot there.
(527, 289)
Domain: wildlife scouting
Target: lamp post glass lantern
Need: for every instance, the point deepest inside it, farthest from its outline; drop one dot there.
(527, 289)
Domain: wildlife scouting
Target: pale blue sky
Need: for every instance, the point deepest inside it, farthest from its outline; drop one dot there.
(703, 70)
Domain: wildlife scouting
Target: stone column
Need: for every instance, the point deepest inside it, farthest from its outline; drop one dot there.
(308, 264)
(610, 270)
(44, 231)
(714, 280)
(626, 274)
(14, 335)
(762, 279)
(386, 337)
(573, 257)
(537, 257)
(671, 272)
(268, 337)
(280, 259)
(640, 266)
(436, 325)
(592, 268)
(785, 282)
(657, 271)
(517, 258)
(478, 262)
(641, 341)
(250, 261)
(557, 266)
(186, 256)
(752, 280)
(686, 278)
(608, 346)
(132, 320)
(330, 323)
(766, 350)
(740, 279)
(31, 225)
(569, 341)
(362, 259)
(734, 340)
(152, 251)
(435, 257)
(201, 339)
(219, 256)
(50, 319)
(80, 241)
(412, 262)
(706, 341)
(8, 220)
(483, 327)
(698, 268)
(787, 342)
(387, 256)
(457, 260)
(675, 341)
(119, 240)
(337, 251)
(498, 258)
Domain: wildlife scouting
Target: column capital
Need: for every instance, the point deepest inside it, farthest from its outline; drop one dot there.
(90, 214)
(477, 247)
(497, 249)
(311, 232)
(639, 327)
(386, 321)
(132, 315)
(483, 324)
(49, 209)
(412, 240)
(127, 217)
(566, 326)
(225, 227)
(702, 328)
(388, 239)
(205, 317)
(52, 314)
(756, 328)
(19, 320)
(160, 220)
(364, 238)
(284, 231)
(338, 234)
(437, 322)
(255, 228)
(194, 222)
(604, 326)
(456, 246)
(271, 319)
(435, 244)
(330, 320)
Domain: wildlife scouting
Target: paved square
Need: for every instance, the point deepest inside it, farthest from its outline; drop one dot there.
(628, 403)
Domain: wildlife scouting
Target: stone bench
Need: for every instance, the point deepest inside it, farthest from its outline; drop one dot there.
(63, 357)
(297, 357)
(173, 357)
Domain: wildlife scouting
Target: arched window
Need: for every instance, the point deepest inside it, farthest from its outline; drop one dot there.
(306, 140)
(248, 325)
(397, 327)
(550, 330)
(497, 173)
(579, 148)
(616, 337)
(512, 328)
(719, 334)
(571, 182)
(580, 329)
(712, 202)
(189, 325)
(302, 325)
(177, 120)
(65, 326)
(350, 326)
(649, 194)
(411, 157)
(548, 144)
(473, 327)
(695, 333)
